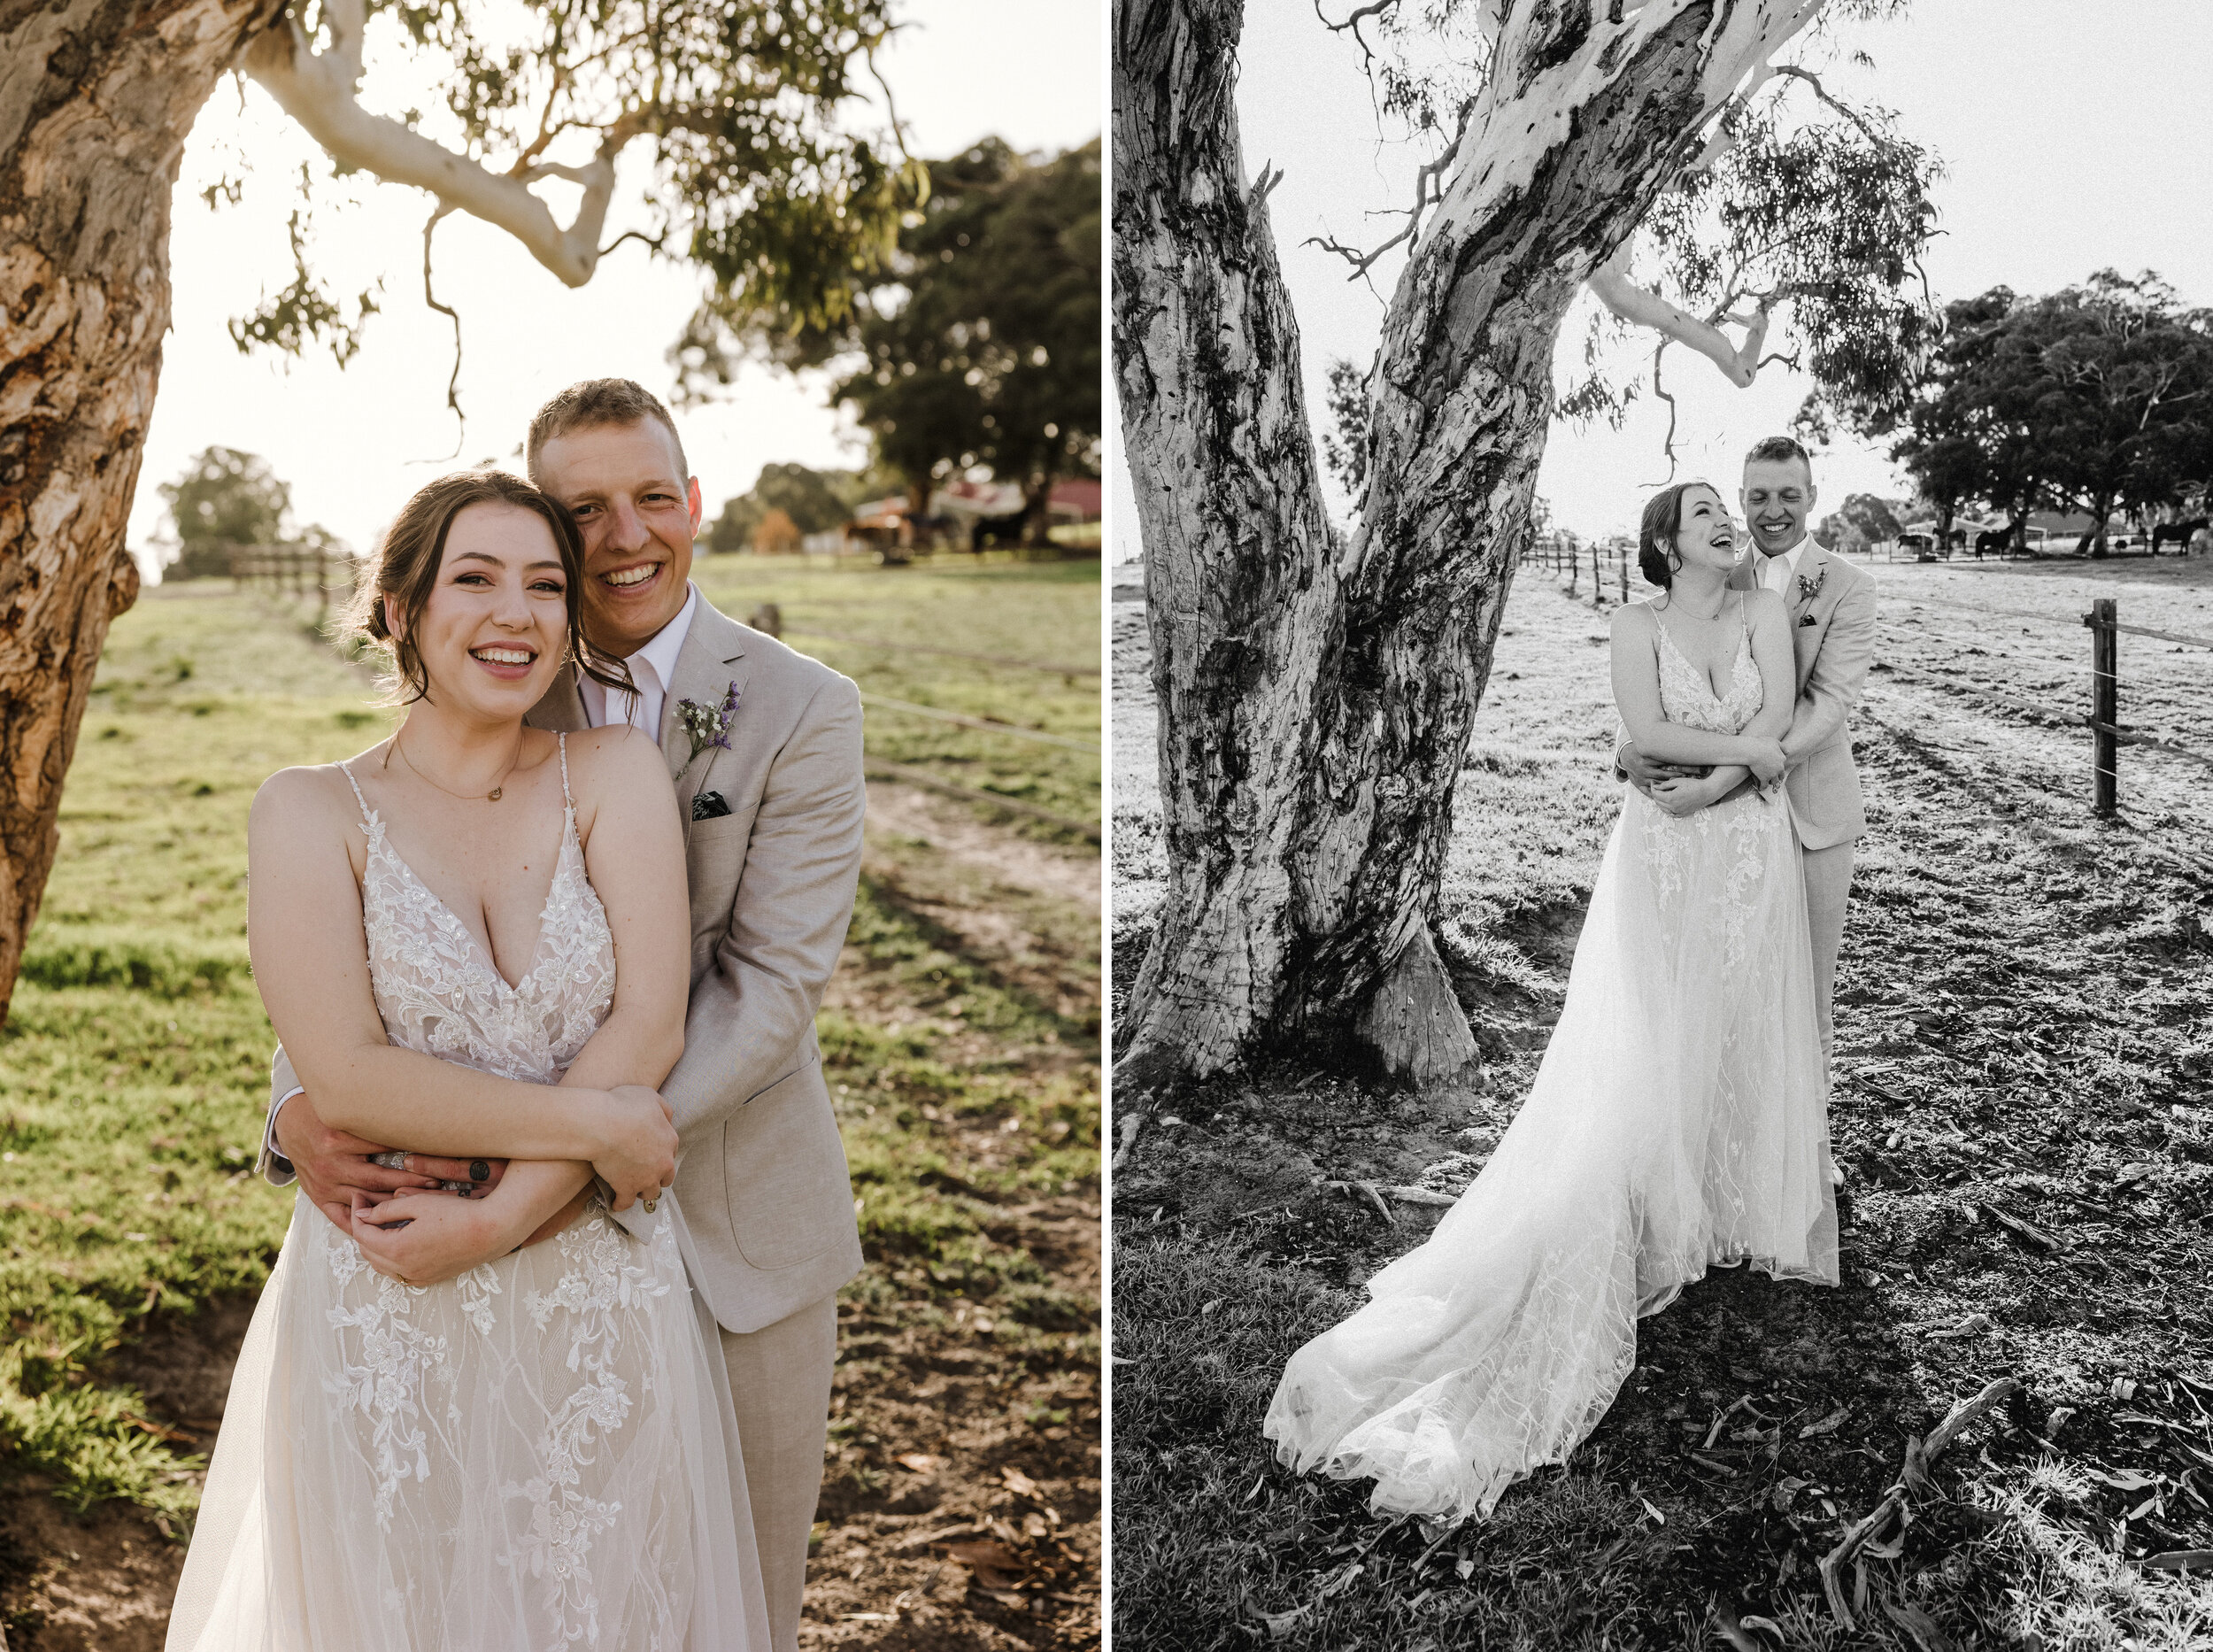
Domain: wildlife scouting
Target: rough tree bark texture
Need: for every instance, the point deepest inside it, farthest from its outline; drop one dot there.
(1316, 698)
(96, 99)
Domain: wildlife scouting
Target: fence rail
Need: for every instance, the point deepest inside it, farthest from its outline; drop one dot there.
(1606, 563)
(949, 653)
(298, 571)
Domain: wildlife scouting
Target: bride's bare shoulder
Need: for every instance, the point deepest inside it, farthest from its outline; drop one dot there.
(1632, 620)
(305, 795)
(605, 761)
(1763, 605)
(297, 808)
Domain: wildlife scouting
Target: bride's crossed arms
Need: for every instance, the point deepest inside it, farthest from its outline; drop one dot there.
(308, 855)
(1701, 621)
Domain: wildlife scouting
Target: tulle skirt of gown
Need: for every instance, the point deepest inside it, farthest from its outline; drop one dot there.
(1679, 1119)
(538, 1455)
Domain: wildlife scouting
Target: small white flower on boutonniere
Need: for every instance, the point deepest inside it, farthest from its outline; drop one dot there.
(1808, 589)
(707, 726)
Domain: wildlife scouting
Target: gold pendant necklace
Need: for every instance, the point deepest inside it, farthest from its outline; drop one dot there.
(490, 797)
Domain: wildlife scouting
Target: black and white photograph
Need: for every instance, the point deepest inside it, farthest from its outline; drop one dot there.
(553, 726)
(1661, 834)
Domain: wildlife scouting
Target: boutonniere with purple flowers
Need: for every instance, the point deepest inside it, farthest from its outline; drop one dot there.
(707, 726)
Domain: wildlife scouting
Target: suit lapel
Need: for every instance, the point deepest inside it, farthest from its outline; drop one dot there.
(1812, 569)
(712, 659)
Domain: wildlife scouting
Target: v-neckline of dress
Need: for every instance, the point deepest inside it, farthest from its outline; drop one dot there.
(478, 949)
(1744, 646)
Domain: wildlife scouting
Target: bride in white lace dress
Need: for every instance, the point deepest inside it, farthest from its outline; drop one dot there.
(499, 1423)
(1679, 1119)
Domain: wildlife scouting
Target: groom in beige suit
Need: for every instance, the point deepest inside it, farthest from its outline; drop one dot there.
(1831, 606)
(772, 833)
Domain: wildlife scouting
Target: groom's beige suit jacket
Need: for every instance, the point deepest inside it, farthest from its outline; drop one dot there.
(761, 1180)
(1832, 608)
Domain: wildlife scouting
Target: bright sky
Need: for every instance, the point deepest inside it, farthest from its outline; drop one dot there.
(353, 444)
(2070, 146)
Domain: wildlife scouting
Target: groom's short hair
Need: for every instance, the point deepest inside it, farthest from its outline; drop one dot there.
(591, 403)
(1772, 449)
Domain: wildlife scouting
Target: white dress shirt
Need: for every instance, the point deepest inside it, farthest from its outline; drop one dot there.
(1777, 571)
(653, 668)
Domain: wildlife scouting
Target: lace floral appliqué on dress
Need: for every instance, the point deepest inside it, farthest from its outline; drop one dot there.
(531, 1456)
(1679, 1120)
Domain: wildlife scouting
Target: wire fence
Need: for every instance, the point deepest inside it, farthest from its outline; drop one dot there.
(1601, 569)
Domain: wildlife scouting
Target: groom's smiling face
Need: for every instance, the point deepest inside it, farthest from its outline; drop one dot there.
(638, 512)
(1777, 497)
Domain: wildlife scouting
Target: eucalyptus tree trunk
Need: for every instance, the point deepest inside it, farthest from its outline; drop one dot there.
(96, 99)
(1316, 695)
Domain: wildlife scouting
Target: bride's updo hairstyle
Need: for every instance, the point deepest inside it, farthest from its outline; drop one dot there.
(1656, 534)
(407, 570)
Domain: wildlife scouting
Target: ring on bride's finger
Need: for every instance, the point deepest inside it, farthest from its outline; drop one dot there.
(650, 1203)
(390, 1161)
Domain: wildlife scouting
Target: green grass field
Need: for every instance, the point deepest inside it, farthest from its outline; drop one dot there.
(1024, 610)
(133, 1067)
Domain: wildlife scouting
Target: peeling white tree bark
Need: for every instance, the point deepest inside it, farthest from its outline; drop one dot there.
(1739, 363)
(1315, 700)
(318, 90)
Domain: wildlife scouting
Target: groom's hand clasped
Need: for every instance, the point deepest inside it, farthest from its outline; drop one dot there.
(638, 1154)
(338, 1169)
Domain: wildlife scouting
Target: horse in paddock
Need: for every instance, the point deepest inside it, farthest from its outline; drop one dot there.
(987, 532)
(1993, 541)
(2179, 534)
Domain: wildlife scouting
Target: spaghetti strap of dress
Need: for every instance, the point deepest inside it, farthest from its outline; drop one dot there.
(367, 818)
(567, 802)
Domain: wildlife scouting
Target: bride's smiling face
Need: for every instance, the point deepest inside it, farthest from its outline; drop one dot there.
(1706, 538)
(491, 633)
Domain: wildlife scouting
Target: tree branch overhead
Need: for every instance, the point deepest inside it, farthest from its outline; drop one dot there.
(318, 90)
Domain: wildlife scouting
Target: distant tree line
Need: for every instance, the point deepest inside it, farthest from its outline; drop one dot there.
(979, 349)
(2096, 399)
(789, 501)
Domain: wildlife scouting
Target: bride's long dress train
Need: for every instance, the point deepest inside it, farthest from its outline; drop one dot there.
(538, 1455)
(1679, 1120)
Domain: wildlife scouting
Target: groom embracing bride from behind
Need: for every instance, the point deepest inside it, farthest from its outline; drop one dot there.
(1678, 1121)
(1831, 609)
(502, 1390)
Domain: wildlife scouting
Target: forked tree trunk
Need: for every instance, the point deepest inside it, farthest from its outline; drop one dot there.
(96, 99)
(1316, 697)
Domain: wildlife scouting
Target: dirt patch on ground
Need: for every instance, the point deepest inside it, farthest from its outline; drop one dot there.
(963, 1508)
(100, 1582)
(181, 1363)
(951, 829)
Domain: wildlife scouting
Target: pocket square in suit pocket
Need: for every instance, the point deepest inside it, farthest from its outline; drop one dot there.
(1803, 619)
(709, 806)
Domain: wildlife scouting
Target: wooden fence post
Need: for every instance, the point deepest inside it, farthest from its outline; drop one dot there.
(2105, 705)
